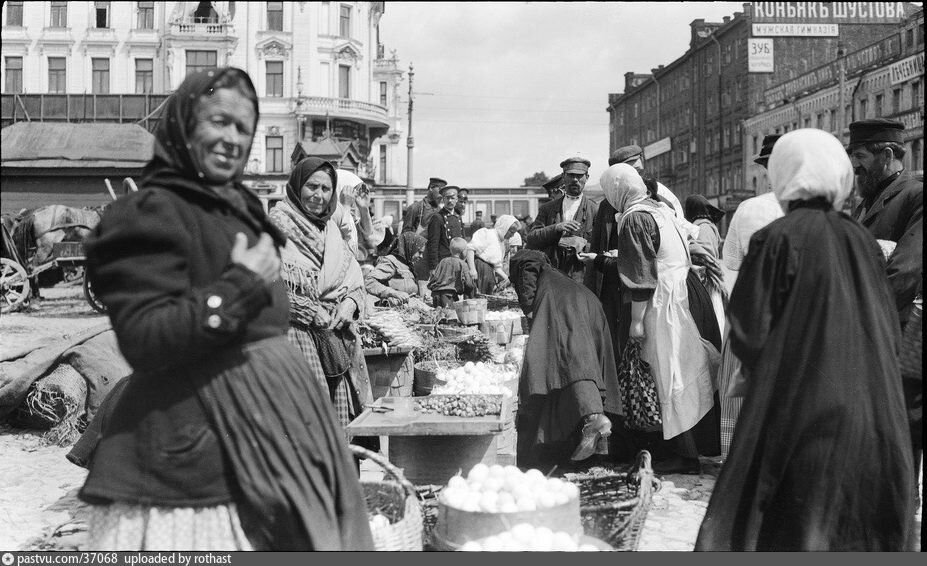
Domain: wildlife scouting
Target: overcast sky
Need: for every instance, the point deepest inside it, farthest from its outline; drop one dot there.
(517, 86)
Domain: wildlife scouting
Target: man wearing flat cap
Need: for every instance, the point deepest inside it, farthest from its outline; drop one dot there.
(416, 217)
(564, 225)
(893, 209)
(553, 187)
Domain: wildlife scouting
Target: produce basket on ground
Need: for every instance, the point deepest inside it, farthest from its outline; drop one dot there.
(614, 506)
(471, 311)
(397, 502)
(500, 302)
(425, 375)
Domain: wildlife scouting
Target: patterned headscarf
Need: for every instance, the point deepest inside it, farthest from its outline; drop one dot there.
(298, 177)
(408, 245)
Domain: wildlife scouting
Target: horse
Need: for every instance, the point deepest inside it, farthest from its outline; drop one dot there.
(38, 230)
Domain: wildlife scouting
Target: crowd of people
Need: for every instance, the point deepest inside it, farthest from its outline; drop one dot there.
(785, 347)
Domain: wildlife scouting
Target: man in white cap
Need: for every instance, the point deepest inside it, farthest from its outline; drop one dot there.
(563, 226)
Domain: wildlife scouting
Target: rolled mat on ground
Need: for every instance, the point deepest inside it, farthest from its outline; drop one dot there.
(58, 388)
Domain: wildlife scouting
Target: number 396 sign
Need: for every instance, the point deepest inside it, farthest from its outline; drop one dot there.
(760, 55)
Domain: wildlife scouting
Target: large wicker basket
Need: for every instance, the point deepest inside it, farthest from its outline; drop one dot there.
(395, 499)
(613, 507)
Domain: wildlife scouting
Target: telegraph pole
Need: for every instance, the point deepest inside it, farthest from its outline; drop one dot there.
(410, 144)
(841, 95)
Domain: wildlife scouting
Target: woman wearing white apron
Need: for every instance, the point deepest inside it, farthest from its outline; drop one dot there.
(653, 262)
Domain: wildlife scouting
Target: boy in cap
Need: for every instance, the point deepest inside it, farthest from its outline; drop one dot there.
(564, 225)
(892, 209)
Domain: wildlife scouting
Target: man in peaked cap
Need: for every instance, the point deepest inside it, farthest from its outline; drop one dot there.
(564, 225)
(553, 187)
(893, 209)
(633, 155)
(768, 143)
(416, 217)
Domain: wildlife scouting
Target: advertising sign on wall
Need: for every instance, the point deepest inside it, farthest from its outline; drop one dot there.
(828, 12)
(905, 69)
(657, 148)
(760, 55)
(804, 30)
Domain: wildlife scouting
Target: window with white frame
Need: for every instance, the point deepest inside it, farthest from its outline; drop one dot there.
(201, 61)
(57, 75)
(344, 22)
(274, 147)
(144, 76)
(145, 15)
(384, 91)
(13, 75)
(59, 15)
(275, 16)
(274, 72)
(100, 75)
(14, 14)
(101, 14)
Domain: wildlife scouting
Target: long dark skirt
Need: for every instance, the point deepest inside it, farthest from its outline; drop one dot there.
(300, 490)
(485, 276)
(549, 425)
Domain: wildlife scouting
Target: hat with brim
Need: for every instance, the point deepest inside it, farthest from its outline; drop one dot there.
(447, 188)
(436, 181)
(553, 183)
(625, 154)
(575, 165)
(768, 143)
(876, 130)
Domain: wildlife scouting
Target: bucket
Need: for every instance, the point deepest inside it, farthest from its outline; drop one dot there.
(425, 375)
(498, 331)
(471, 311)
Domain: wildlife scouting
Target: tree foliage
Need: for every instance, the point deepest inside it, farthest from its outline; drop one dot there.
(536, 180)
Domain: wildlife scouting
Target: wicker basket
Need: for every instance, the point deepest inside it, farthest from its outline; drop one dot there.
(499, 303)
(397, 500)
(613, 507)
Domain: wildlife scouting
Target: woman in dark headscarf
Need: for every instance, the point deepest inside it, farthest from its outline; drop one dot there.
(218, 440)
(392, 280)
(568, 380)
(821, 456)
(325, 286)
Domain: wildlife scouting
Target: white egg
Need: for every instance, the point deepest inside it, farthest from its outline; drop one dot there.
(471, 546)
(478, 472)
(562, 541)
(571, 490)
(545, 499)
(523, 532)
(497, 471)
(526, 503)
(492, 544)
(488, 501)
(457, 482)
(506, 498)
(493, 483)
(534, 475)
(554, 484)
(469, 366)
(510, 507)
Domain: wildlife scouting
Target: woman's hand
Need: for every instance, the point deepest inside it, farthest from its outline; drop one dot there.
(474, 274)
(586, 257)
(262, 258)
(344, 315)
(637, 330)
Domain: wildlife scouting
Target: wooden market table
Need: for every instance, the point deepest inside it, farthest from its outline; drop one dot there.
(429, 447)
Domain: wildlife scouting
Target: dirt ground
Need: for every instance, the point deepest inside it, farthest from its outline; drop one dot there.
(38, 504)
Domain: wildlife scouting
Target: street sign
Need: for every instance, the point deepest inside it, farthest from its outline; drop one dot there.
(760, 55)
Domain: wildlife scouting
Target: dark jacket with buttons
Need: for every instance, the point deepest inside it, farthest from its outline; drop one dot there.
(159, 260)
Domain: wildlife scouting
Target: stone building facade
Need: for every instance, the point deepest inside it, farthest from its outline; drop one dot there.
(319, 69)
(689, 115)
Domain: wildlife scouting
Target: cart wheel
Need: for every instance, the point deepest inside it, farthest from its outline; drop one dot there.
(91, 298)
(14, 286)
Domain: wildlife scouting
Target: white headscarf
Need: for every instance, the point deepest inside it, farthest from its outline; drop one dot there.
(810, 163)
(623, 187)
(346, 183)
(503, 223)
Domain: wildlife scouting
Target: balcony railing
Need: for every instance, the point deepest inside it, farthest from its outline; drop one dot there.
(343, 107)
(190, 27)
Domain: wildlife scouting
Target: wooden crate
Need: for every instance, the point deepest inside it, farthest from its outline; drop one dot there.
(391, 373)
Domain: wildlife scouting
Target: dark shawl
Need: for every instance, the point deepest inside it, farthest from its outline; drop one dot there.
(697, 206)
(301, 502)
(569, 339)
(173, 165)
(821, 456)
(407, 245)
(298, 177)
